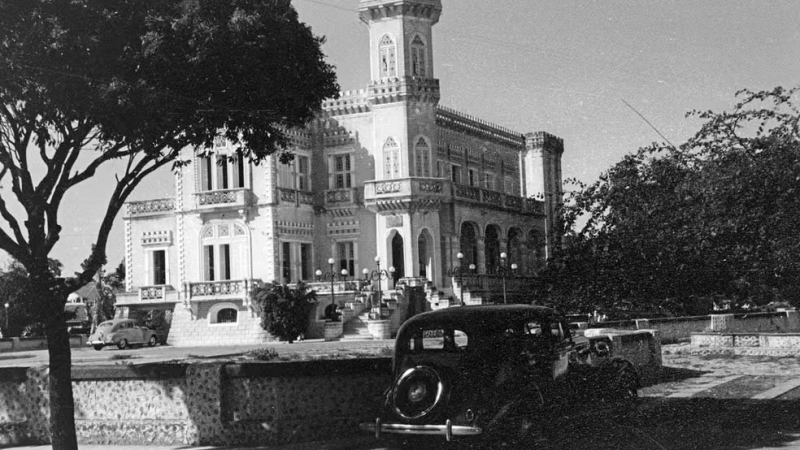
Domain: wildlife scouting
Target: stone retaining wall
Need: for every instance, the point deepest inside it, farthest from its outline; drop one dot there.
(201, 404)
(680, 329)
(753, 339)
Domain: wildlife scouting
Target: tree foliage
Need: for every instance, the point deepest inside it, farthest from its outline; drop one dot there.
(284, 310)
(90, 82)
(674, 229)
(15, 290)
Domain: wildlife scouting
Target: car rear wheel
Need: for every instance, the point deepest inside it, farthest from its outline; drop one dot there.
(98, 346)
(621, 383)
(152, 342)
(122, 344)
(418, 392)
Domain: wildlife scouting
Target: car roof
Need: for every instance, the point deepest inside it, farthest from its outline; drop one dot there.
(116, 321)
(480, 316)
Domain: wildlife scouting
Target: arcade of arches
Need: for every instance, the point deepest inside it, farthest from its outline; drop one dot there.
(526, 250)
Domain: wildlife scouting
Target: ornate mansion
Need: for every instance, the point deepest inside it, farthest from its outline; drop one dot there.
(382, 172)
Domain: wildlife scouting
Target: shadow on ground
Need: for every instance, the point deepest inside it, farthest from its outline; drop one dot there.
(658, 424)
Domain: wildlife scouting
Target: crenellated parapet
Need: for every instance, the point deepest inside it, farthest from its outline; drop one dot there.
(349, 102)
(396, 89)
(542, 141)
(372, 10)
(460, 122)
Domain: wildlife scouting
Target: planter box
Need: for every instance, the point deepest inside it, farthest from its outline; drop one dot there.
(380, 329)
(333, 330)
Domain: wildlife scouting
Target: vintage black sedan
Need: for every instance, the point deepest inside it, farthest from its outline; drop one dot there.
(497, 369)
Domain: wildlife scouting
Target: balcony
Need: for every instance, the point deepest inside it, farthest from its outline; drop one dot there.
(411, 194)
(150, 207)
(238, 199)
(295, 197)
(148, 295)
(406, 194)
(220, 290)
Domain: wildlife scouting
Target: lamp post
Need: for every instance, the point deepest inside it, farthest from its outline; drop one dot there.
(460, 257)
(6, 305)
(503, 274)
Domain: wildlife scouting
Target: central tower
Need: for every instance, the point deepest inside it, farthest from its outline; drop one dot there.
(403, 94)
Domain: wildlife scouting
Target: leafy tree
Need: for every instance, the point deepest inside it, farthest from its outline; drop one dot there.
(15, 290)
(285, 310)
(85, 83)
(673, 229)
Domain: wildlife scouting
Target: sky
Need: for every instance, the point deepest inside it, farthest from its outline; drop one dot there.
(562, 66)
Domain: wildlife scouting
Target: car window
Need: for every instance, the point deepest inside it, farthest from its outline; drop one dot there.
(534, 328)
(439, 339)
(106, 325)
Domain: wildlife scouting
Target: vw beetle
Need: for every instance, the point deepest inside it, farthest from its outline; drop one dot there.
(495, 369)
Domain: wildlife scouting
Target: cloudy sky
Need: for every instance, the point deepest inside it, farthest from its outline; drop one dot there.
(562, 66)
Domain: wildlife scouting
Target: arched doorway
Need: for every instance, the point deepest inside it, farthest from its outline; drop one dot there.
(535, 246)
(515, 247)
(492, 246)
(468, 245)
(425, 252)
(398, 258)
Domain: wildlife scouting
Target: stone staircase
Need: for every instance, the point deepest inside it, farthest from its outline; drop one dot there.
(355, 329)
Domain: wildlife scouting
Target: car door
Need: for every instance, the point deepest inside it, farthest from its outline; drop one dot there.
(563, 347)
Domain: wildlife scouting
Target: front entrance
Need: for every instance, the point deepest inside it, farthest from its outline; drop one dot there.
(398, 258)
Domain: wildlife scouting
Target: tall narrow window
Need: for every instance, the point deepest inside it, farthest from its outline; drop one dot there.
(391, 159)
(305, 261)
(286, 175)
(488, 181)
(422, 155)
(418, 58)
(388, 60)
(238, 170)
(472, 177)
(342, 172)
(206, 167)
(223, 181)
(347, 257)
(159, 267)
(455, 174)
(225, 262)
(286, 263)
(208, 256)
(302, 173)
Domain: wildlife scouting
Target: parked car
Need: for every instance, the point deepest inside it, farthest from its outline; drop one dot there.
(494, 370)
(123, 333)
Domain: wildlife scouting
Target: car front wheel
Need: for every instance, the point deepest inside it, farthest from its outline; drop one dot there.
(152, 342)
(122, 344)
(98, 346)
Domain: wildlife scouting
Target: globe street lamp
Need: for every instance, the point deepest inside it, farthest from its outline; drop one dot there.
(460, 257)
(503, 274)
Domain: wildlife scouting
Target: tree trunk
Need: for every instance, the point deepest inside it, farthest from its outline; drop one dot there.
(49, 298)
(62, 403)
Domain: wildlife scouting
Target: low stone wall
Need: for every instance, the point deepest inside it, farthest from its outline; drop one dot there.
(680, 329)
(202, 404)
(752, 339)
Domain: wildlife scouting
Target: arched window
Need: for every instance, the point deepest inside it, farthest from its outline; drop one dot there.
(223, 314)
(388, 58)
(422, 152)
(418, 58)
(227, 315)
(391, 159)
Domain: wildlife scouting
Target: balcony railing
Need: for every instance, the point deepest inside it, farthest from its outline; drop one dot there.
(334, 198)
(440, 190)
(150, 207)
(147, 295)
(223, 289)
(233, 198)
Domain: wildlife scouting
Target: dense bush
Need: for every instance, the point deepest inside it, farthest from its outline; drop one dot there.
(284, 310)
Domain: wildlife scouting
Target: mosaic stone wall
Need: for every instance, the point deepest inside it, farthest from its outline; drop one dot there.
(202, 404)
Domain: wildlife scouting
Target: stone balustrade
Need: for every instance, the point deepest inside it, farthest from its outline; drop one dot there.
(150, 207)
(235, 198)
